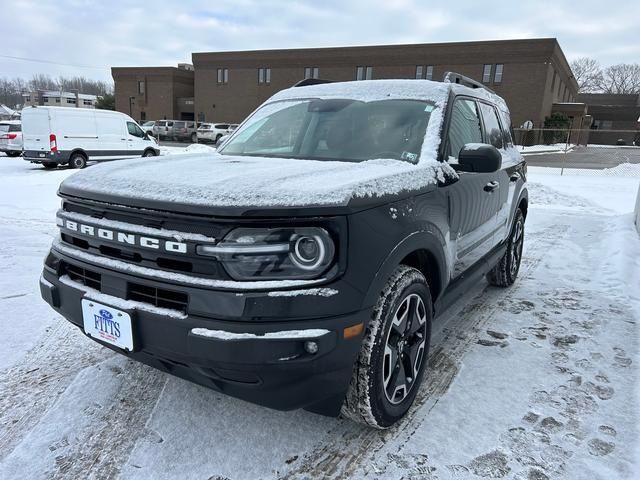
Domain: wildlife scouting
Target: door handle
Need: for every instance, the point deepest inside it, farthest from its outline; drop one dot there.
(491, 186)
(515, 177)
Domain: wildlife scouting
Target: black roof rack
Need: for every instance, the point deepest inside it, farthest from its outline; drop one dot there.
(311, 81)
(453, 77)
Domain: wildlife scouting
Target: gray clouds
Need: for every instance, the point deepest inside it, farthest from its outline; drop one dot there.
(125, 33)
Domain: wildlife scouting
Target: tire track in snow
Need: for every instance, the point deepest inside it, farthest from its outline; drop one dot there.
(349, 445)
(29, 389)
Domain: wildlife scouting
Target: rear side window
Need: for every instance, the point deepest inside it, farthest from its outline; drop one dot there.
(222, 126)
(169, 124)
(493, 132)
(464, 127)
(506, 128)
(191, 125)
(179, 124)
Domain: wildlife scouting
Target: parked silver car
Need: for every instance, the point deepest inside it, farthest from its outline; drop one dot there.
(213, 132)
(11, 137)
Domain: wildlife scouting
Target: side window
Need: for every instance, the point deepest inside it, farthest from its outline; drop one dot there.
(464, 127)
(134, 130)
(493, 132)
(506, 128)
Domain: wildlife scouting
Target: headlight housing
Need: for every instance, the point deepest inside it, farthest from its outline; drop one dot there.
(274, 253)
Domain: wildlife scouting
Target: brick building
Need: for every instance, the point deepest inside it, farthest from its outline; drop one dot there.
(532, 75)
(153, 93)
(615, 117)
(56, 98)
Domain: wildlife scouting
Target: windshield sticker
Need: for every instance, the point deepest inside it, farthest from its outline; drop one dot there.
(411, 157)
(428, 108)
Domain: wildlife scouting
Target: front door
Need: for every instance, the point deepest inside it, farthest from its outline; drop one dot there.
(474, 199)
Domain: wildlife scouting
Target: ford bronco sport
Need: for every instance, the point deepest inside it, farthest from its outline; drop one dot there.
(303, 264)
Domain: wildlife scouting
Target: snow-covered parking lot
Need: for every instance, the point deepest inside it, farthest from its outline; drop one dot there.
(539, 381)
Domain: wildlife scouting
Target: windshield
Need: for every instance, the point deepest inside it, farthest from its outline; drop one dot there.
(334, 129)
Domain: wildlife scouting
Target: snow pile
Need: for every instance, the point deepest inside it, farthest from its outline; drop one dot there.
(637, 211)
(551, 148)
(193, 148)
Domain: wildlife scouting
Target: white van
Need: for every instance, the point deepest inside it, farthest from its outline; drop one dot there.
(61, 135)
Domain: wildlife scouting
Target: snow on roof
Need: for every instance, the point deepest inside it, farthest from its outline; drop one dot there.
(56, 94)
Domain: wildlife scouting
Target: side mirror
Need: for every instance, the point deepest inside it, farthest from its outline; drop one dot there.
(479, 158)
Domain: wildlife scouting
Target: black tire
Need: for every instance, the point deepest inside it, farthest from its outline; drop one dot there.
(78, 160)
(49, 165)
(13, 154)
(374, 397)
(194, 138)
(506, 270)
(149, 153)
(218, 137)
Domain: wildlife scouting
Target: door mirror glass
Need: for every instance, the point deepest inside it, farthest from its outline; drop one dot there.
(479, 158)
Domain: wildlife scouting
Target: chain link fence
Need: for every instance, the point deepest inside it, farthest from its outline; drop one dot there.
(589, 152)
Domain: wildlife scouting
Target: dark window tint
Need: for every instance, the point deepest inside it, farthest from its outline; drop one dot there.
(15, 128)
(134, 130)
(464, 127)
(506, 127)
(493, 133)
(222, 126)
(191, 125)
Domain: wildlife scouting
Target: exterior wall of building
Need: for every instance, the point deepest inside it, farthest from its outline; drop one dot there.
(615, 117)
(528, 67)
(54, 99)
(162, 88)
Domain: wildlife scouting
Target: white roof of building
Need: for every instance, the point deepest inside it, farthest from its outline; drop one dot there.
(54, 94)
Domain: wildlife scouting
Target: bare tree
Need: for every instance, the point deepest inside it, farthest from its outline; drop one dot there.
(621, 78)
(588, 74)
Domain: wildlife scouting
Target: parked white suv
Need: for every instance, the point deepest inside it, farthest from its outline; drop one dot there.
(212, 132)
(147, 127)
(11, 137)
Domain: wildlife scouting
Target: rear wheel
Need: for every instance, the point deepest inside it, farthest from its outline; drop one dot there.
(13, 154)
(218, 137)
(391, 364)
(49, 165)
(194, 138)
(78, 160)
(506, 271)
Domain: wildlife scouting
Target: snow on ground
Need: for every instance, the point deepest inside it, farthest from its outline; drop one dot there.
(551, 148)
(539, 381)
(193, 148)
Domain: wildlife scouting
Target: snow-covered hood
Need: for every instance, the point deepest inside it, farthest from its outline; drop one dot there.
(214, 181)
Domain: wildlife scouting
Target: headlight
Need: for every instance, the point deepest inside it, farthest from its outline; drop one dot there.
(274, 253)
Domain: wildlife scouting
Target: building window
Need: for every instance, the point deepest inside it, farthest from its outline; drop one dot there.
(143, 115)
(364, 73)
(497, 76)
(27, 98)
(311, 72)
(57, 100)
(264, 75)
(425, 72)
(70, 100)
(141, 87)
(45, 99)
(88, 102)
(486, 73)
(223, 75)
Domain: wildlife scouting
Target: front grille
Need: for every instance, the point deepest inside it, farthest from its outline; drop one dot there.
(158, 297)
(84, 276)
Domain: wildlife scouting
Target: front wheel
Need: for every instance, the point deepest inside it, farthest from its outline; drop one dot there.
(78, 160)
(506, 271)
(392, 362)
(49, 165)
(149, 153)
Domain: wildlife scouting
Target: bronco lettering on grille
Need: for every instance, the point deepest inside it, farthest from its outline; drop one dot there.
(126, 238)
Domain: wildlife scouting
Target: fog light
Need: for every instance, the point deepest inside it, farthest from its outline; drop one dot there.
(311, 347)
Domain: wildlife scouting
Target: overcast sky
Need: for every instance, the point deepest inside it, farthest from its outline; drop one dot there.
(90, 37)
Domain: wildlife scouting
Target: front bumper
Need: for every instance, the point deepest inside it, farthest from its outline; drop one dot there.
(274, 370)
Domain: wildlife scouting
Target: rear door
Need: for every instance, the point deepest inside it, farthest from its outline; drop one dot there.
(36, 129)
(473, 205)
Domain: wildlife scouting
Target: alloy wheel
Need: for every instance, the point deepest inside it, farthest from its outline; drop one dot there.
(404, 348)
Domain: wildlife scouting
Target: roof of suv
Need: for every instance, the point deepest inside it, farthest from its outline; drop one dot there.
(372, 90)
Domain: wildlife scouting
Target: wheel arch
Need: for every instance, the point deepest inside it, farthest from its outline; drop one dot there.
(80, 151)
(523, 202)
(421, 250)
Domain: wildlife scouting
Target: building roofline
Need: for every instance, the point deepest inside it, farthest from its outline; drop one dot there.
(544, 40)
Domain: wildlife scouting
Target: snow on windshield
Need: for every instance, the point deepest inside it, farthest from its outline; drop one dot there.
(211, 179)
